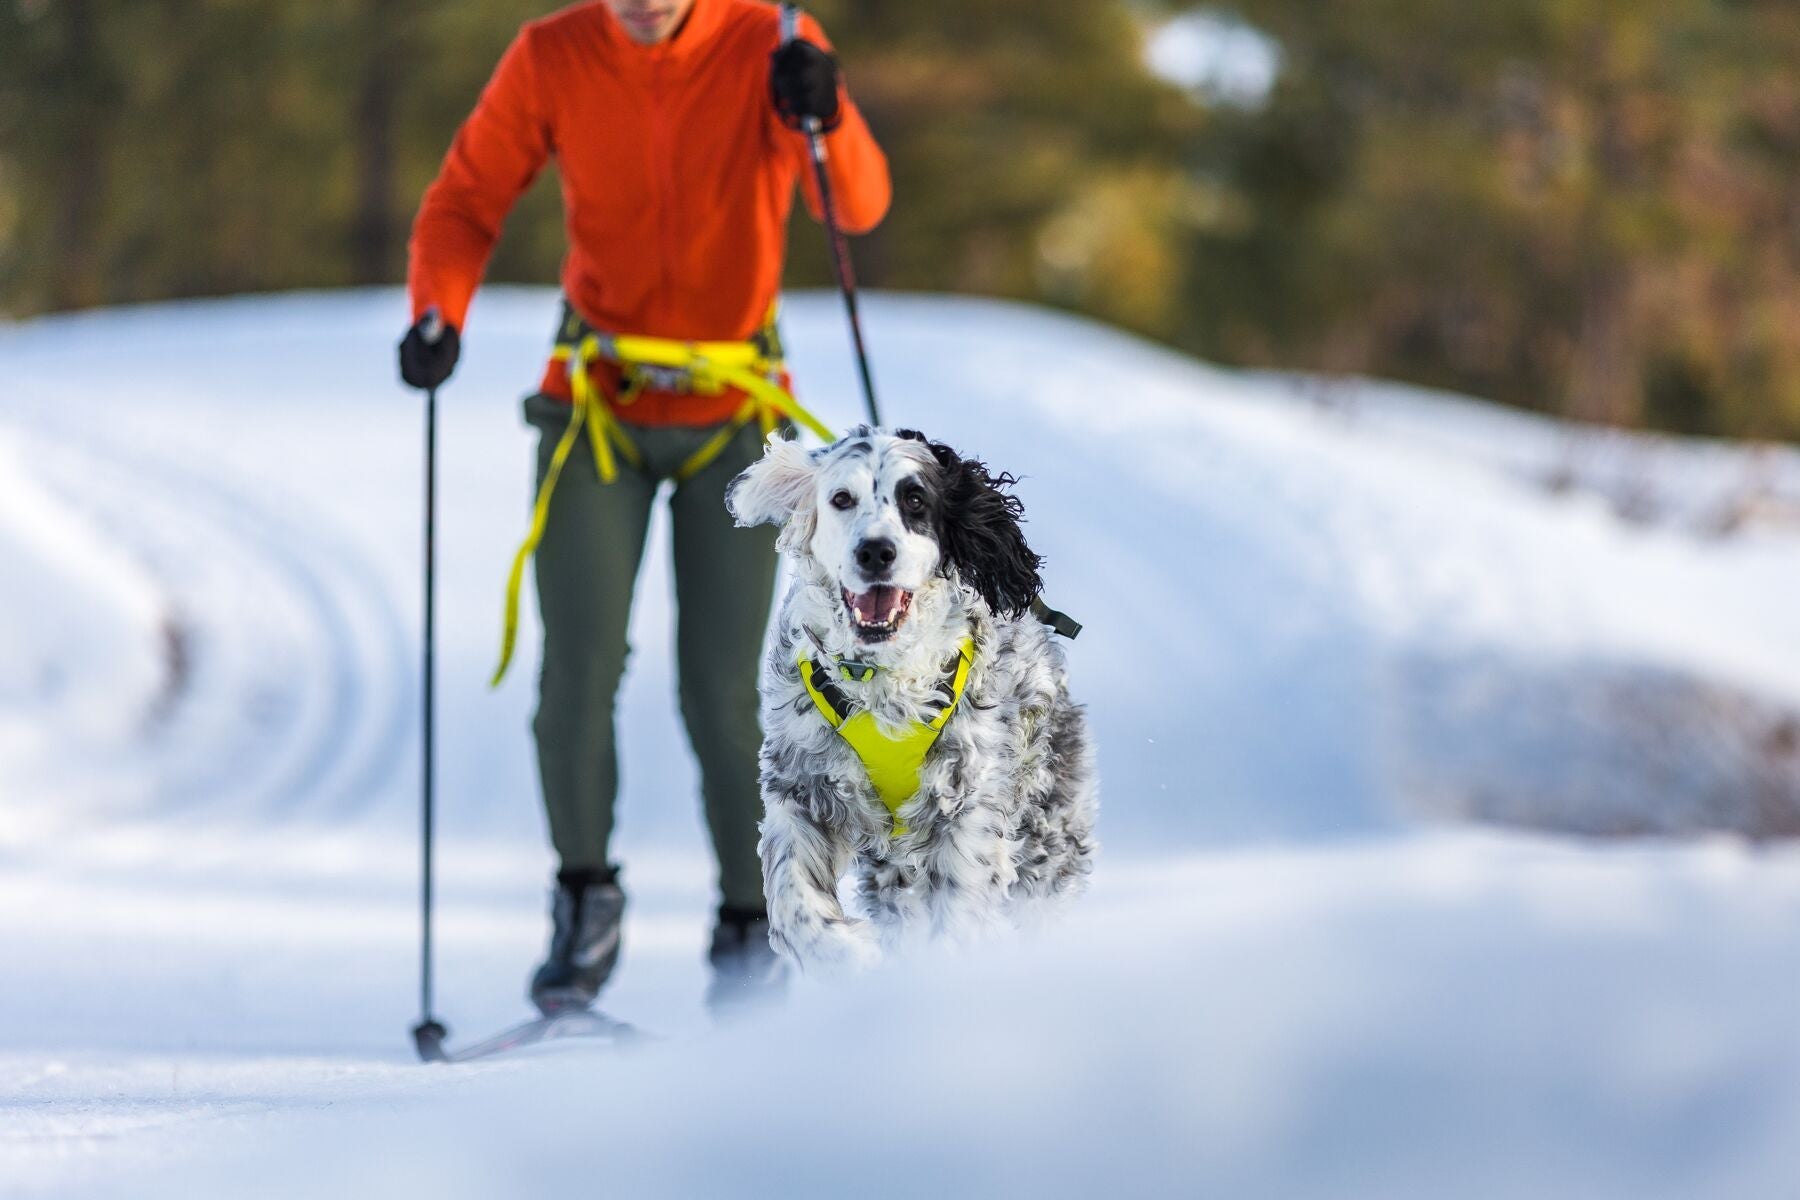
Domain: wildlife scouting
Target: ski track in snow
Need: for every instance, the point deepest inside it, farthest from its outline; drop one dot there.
(296, 695)
(1286, 608)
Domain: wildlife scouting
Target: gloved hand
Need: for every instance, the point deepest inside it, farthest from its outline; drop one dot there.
(804, 82)
(425, 362)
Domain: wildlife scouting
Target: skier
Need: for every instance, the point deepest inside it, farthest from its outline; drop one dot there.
(673, 124)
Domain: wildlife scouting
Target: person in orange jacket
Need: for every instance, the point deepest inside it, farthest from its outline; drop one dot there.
(673, 126)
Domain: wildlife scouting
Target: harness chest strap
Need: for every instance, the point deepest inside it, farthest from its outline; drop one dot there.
(708, 368)
(893, 761)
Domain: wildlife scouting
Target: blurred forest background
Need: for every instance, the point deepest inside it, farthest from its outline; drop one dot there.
(1589, 207)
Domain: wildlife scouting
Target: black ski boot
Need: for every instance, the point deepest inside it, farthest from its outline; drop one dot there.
(747, 973)
(584, 940)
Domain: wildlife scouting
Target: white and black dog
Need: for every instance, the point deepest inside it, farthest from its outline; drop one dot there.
(907, 628)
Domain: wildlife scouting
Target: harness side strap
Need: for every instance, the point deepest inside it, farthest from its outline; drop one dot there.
(809, 677)
(605, 431)
(540, 514)
(1059, 622)
(959, 682)
(588, 410)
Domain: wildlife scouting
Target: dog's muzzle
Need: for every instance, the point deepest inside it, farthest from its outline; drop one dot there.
(877, 613)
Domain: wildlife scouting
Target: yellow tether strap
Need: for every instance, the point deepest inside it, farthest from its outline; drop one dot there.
(711, 366)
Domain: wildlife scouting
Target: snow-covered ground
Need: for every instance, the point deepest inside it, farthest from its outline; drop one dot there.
(1326, 625)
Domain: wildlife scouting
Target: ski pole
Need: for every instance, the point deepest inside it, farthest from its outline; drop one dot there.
(838, 245)
(429, 1033)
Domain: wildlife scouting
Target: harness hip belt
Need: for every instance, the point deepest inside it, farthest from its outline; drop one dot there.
(754, 366)
(892, 761)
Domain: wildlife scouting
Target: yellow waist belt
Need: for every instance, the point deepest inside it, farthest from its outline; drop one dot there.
(893, 761)
(704, 368)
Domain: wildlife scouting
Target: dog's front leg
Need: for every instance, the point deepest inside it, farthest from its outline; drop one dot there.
(968, 870)
(802, 862)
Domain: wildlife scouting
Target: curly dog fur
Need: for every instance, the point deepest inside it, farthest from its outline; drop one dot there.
(900, 549)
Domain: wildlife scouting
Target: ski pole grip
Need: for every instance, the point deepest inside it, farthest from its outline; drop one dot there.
(812, 127)
(432, 326)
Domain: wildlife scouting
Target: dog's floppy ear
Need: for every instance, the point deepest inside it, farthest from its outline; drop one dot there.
(776, 489)
(980, 533)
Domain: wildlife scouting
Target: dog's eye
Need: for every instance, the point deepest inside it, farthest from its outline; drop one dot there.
(915, 501)
(842, 499)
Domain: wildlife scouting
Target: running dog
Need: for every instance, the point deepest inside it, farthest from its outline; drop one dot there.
(918, 731)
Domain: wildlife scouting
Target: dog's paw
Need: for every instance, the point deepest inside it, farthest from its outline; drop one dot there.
(838, 949)
(862, 951)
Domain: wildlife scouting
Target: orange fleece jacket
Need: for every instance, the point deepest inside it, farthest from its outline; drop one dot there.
(677, 180)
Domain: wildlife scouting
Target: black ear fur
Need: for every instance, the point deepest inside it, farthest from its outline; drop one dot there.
(979, 533)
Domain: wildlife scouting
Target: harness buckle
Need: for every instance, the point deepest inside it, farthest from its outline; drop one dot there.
(652, 378)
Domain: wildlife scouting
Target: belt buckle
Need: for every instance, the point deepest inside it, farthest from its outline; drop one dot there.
(662, 379)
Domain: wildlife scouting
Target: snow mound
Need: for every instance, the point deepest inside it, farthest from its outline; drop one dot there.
(1288, 601)
(1318, 615)
(85, 635)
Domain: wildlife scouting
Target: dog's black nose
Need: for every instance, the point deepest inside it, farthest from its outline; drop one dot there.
(876, 556)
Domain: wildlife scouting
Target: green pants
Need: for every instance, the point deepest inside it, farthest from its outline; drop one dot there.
(586, 568)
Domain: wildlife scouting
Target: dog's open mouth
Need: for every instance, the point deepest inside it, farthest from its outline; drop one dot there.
(878, 612)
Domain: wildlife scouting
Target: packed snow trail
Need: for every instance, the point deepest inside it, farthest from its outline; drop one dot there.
(1308, 627)
(1277, 570)
(283, 658)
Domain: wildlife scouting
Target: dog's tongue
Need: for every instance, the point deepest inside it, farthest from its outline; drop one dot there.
(878, 605)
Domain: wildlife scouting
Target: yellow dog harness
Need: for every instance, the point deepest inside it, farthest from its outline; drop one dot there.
(755, 367)
(893, 760)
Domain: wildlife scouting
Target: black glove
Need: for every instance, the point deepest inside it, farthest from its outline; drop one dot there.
(425, 363)
(804, 82)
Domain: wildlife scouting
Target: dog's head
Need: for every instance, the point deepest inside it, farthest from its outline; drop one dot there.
(882, 515)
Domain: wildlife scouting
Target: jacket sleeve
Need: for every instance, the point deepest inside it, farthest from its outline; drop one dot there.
(497, 153)
(858, 170)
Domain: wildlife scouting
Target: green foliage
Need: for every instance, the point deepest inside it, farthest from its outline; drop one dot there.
(1584, 206)
(1587, 206)
(283, 143)
(190, 147)
(1034, 156)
